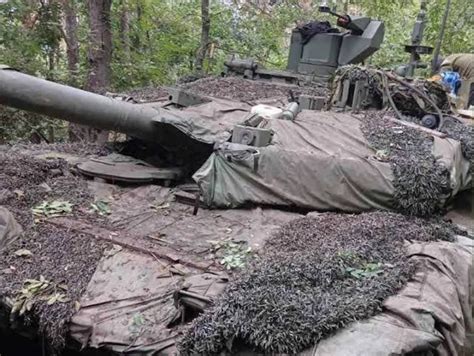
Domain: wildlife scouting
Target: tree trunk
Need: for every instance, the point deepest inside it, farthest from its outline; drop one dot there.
(100, 45)
(51, 63)
(346, 7)
(138, 22)
(99, 55)
(75, 132)
(70, 36)
(206, 26)
(125, 30)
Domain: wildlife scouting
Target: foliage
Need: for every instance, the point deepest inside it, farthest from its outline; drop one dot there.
(53, 209)
(366, 271)
(162, 37)
(17, 125)
(101, 207)
(162, 42)
(18, 46)
(459, 33)
(138, 322)
(235, 255)
(399, 17)
(38, 290)
(29, 36)
(155, 42)
(397, 33)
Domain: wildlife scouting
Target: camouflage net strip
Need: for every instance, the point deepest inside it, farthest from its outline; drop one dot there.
(463, 133)
(316, 275)
(457, 130)
(421, 183)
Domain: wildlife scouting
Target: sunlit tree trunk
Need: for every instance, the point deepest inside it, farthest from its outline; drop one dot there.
(125, 30)
(206, 26)
(70, 36)
(70, 15)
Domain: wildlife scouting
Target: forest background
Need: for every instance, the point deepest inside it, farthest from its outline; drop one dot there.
(117, 45)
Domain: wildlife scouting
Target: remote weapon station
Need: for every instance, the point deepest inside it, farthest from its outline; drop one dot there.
(316, 58)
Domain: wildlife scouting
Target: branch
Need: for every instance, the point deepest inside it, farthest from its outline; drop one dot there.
(418, 127)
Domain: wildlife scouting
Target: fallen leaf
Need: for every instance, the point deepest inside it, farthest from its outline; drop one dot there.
(19, 193)
(161, 206)
(77, 306)
(52, 299)
(23, 253)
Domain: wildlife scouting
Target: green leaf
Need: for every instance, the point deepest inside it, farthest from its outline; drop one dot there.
(53, 209)
(101, 207)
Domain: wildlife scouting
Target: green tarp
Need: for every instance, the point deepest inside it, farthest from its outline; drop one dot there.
(321, 161)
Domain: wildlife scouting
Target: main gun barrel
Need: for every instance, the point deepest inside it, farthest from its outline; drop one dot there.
(37, 95)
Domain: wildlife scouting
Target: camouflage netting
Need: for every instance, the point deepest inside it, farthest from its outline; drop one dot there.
(234, 88)
(463, 133)
(148, 94)
(237, 88)
(457, 130)
(75, 148)
(316, 275)
(421, 182)
(411, 103)
(61, 256)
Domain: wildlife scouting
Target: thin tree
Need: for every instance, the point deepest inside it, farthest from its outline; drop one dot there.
(205, 28)
(70, 22)
(125, 30)
(70, 37)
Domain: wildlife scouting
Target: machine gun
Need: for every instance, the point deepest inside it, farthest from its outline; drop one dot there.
(318, 58)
